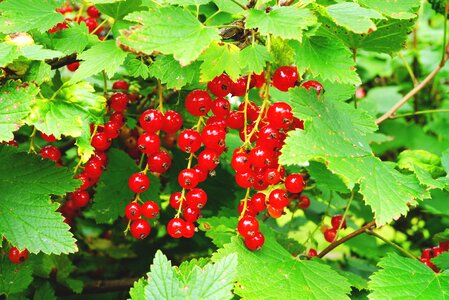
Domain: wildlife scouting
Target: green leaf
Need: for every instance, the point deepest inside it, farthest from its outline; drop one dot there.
(353, 17)
(64, 274)
(219, 229)
(314, 50)
(37, 52)
(426, 178)
(407, 278)
(188, 2)
(112, 192)
(15, 102)
(170, 72)
(442, 236)
(104, 1)
(441, 261)
(286, 22)
(73, 39)
(8, 53)
(254, 58)
(186, 268)
(120, 9)
(28, 212)
(170, 30)
(427, 161)
(38, 72)
(380, 99)
(105, 56)
(445, 160)
(14, 278)
(137, 68)
(324, 177)
(24, 15)
(404, 9)
(336, 134)
(137, 292)
(272, 273)
(219, 58)
(45, 292)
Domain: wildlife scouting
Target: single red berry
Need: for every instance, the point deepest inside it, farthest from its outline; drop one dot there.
(238, 88)
(73, 66)
(91, 23)
(150, 209)
(188, 230)
(198, 103)
(12, 143)
(257, 202)
(101, 142)
(285, 77)
(93, 12)
(275, 212)
(133, 211)
(217, 121)
(191, 214)
(249, 131)
(278, 198)
(172, 122)
(86, 181)
(297, 124)
(119, 101)
(101, 157)
(120, 85)
(272, 176)
(235, 119)
(159, 161)
(312, 253)
(208, 159)
(149, 143)
(314, 85)
(260, 157)
(337, 220)
(93, 169)
(426, 253)
(196, 198)
(436, 251)
(117, 118)
(240, 160)
(252, 110)
(244, 179)
(294, 183)
(268, 136)
(50, 152)
(16, 256)
(248, 226)
(221, 107)
(189, 140)
(202, 174)
(188, 179)
(175, 227)
(259, 183)
(175, 200)
(255, 242)
(48, 138)
(257, 80)
(249, 211)
(151, 120)
(330, 235)
(80, 198)
(112, 129)
(213, 137)
(280, 115)
(220, 86)
(138, 182)
(140, 229)
(304, 202)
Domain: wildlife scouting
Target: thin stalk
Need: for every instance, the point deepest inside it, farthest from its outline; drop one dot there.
(399, 248)
(421, 112)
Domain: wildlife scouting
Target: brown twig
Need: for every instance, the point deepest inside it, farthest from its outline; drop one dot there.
(346, 238)
(57, 63)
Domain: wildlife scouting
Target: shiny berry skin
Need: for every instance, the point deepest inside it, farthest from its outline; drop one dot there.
(238, 88)
(175, 200)
(330, 235)
(119, 101)
(189, 140)
(48, 138)
(91, 23)
(101, 142)
(220, 86)
(252, 110)
(208, 159)
(196, 198)
(285, 77)
(235, 119)
(244, 179)
(188, 179)
(73, 66)
(336, 220)
(221, 107)
(133, 211)
(249, 210)
(150, 209)
(50, 152)
(101, 157)
(175, 227)
(268, 136)
(159, 161)
(426, 253)
(248, 226)
(255, 242)
(312, 253)
(198, 103)
(93, 12)
(120, 85)
(257, 202)
(444, 246)
(112, 129)
(151, 120)
(16, 256)
(257, 80)
(172, 122)
(240, 160)
(275, 212)
(202, 174)
(260, 157)
(86, 181)
(188, 230)
(259, 183)
(279, 115)
(148, 143)
(278, 198)
(191, 214)
(93, 169)
(138, 182)
(314, 85)
(436, 251)
(294, 183)
(117, 118)
(249, 131)
(217, 121)
(297, 124)
(304, 202)
(213, 137)
(140, 229)
(80, 198)
(272, 176)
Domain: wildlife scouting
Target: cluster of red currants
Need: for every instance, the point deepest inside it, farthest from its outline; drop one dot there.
(337, 222)
(429, 253)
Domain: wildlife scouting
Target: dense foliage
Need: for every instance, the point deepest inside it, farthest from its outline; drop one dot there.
(224, 149)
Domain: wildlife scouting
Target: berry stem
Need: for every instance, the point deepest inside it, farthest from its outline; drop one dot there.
(346, 212)
(99, 25)
(322, 219)
(105, 85)
(161, 97)
(397, 247)
(33, 134)
(245, 203)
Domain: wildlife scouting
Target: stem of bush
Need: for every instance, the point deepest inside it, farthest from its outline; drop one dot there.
(397, 247)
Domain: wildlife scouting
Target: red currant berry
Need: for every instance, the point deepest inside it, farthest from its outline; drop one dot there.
(150, 209)
(280, 115)
(275, 212)
(217, 121)
(202, 174)
(140, 229)
(101, 157)
(117, 118)
(426, 253)
(278, 198)
(73, 66)
(86, 181)
(249, 131)
(444, 246)
(257, 80)
(16, 256)
(259, 183)
(188, 230)
(175, 227)
(314, 85)
(138, 182)
(285, 77)
(50, 152)
(272, 176)
(248, 226)
(304, 202)
(337, 220)
(91, 23)
(297, 124)
(149, 143)
(221, 107)
(255, 242)
(260, 157)
(159, 161)
(312, 253)
(80, 198)
(220, 86)
(238, 88)
(252, 110)
(151, 120)
(48, 138)
(213, 137)
(191, 214)
(120, 85)
(112, 129)
(235, 120)
(257, 202)
(188, 179)
(93, 12)
(196, 198)
(268, 136)
(198, 103)
(244, 179)
(133, 211)
(172, 122)
(294, 183)
(208, 159)
(189, 140)
(240, 160)
(101, 142)
(119, 101)
(436, 251)
(249, 211)
(330, 235)
(175, 200)
(93, 169)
